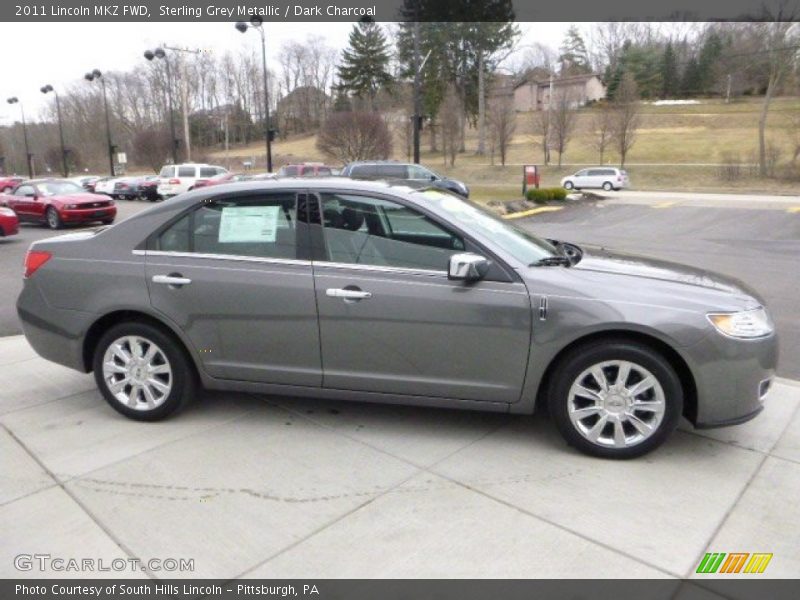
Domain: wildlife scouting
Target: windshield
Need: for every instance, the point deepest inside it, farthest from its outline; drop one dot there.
(59, 188)
(525, 247)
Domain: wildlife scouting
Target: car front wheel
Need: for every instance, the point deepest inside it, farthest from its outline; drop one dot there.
(142, 372)
(616, 399)
(607, 186)
(53, 218)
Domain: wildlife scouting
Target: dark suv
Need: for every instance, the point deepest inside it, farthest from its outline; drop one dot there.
(406, 171)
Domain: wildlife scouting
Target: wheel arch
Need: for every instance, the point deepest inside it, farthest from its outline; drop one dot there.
(676, 361)
(104, 323)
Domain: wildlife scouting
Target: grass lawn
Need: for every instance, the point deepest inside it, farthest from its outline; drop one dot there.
(674, 149)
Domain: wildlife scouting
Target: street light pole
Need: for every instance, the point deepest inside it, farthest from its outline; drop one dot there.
(257, 23)
(159, 53)
(65, 167)
(97, 74)
(28, 155)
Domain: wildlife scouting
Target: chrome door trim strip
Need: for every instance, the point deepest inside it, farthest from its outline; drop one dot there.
(229, 257)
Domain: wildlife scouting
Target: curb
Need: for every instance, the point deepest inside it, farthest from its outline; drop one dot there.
(532, 211)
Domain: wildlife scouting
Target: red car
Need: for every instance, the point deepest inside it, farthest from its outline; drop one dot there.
(9, 182)
(9, 223)
(222, 178)
(58, 202)
(306, 170)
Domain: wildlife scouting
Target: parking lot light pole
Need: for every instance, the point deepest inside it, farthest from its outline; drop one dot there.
(159, 53)
(28, 155)
(91, 76)
(257, 23)
(65, 167)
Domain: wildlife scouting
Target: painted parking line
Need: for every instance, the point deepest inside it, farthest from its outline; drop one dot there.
(533, 211)
(793, 209)
(664, 204)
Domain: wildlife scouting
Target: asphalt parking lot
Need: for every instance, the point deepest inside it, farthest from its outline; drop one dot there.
(263, 486)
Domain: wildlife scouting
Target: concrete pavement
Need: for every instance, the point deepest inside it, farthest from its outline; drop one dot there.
(259, 486)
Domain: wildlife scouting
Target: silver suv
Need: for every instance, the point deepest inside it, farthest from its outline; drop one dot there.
(376, 292)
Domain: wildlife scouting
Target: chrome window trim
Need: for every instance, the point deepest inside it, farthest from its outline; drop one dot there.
(229, 257)
(378, 268)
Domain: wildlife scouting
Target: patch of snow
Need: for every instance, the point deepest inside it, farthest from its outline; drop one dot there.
(673, 102)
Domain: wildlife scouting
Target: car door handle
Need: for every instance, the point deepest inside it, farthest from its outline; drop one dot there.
(347, 294)
(171, 280)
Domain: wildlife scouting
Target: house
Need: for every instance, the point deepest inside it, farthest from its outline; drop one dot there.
(302, 109)
(532, 92)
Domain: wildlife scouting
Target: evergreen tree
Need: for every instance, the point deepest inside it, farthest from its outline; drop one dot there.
(670, 80)
(707, 62)
(692, 78)
(574, 58)
(365, 62)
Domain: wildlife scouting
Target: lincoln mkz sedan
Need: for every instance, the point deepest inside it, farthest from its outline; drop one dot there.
(377, 292)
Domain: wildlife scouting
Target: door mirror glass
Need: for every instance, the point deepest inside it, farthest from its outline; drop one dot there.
(467, 267)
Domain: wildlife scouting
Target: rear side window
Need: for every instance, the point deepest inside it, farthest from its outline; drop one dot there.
(364, 171)
(167, 172)
(260, 226)
(186, 171)
(323, 171)
(208, 171)
(393, 171)
(290, 171)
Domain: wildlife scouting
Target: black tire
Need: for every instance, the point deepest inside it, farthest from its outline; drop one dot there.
(577, 361)
(108, 221)
(569, 185)
(608, 186)
(183, 378)
(52, 218)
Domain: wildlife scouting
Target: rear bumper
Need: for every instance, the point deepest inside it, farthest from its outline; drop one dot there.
(733, 378)
(54, 333)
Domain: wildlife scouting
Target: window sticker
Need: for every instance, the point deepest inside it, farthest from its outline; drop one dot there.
(248, 224)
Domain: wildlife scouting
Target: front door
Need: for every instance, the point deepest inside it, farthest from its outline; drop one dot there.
(234, 275)
(391, 321)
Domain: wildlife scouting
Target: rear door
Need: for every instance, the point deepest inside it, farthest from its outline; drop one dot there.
(234, 274)
(392, 322)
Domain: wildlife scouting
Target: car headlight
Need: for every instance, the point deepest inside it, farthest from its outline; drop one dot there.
(744, 324)
(71, 206)
(6, 211)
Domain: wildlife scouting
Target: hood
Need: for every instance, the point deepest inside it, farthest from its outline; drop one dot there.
(598, 259)
(85, 198)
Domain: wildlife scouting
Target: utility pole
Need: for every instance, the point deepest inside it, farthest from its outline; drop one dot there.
(728, 91)
(417, 98)
(185, 99)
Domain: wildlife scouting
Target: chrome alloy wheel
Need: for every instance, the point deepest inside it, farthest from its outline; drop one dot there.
(616, 404)
(137, 372)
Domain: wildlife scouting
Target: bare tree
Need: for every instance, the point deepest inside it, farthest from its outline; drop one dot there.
(793, 130)
(601, 130)
(151, 147)
(502, 122)
(625, 116)
(542, 131)
(349, 136)
(564, 116)
(451, 113)
(776, 38)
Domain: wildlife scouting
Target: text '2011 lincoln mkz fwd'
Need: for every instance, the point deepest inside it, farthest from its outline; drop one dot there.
(382, 293)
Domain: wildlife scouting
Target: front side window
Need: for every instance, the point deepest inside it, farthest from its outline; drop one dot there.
(208, 171)
(373, 231)
(417, 172)
(260, 226)
(25, 190)
(186, 172)
(167, 172)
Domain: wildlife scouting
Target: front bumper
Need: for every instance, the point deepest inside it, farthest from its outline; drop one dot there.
(85, 215)
(732, 377)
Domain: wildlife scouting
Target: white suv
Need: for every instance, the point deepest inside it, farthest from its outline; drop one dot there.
(176, 179)
(607, 178)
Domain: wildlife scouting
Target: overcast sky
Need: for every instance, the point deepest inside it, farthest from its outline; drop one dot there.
(60, 53)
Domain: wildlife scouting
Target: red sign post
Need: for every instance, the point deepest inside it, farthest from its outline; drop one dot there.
(530, 177)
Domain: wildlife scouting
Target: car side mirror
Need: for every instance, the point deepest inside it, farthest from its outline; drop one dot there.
(433, 177)
(467, 267)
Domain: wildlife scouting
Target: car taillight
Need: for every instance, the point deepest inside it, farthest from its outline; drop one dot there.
(35, 259)
(174, 181)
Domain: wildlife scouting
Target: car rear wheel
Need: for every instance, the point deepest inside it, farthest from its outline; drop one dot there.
(568, 185)
(142, 372)
(615, 399)
(53, 218)
(608, 186)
